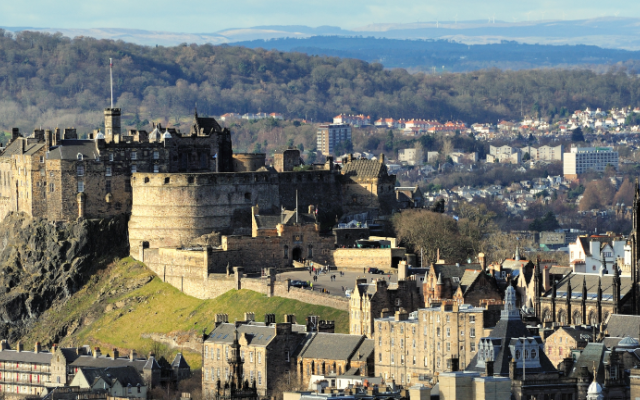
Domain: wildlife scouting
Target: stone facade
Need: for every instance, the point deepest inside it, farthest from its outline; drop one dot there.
(384, 259)
(413, 347)
(366, 185)
(369, 299)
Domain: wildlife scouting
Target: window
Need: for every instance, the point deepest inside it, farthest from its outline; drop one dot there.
(380, 341)
(448, 332)
(107, 170)
(251, 356)
(425, 361)
(156, 155)
(461, 333)
(472, 332)
(218, 354)
(251, 376)
(52, 187)
(380, 357)
(79, 157)
(448, 319)
(134, 155)
(259, 378)
(110, 156)
(414, 343)
(259, 358)
(156, 169)
(134, 169)
(438, 318)
(127, 185)
(392, 342)
(472, 319)
(438, 346)
(80, 186)
(438, 332)
(42, 173)
(107, 188)
(167, 180)
(414, 360)
(392, 358)
(448, 346)
(472, 347)
(80, 170)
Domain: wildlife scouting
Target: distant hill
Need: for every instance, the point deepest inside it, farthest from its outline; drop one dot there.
(445, 55)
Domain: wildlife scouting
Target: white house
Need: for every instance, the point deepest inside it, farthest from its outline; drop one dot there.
(586, 254)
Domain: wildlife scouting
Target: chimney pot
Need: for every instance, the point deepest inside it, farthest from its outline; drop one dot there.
(37, 348)
(19, 347)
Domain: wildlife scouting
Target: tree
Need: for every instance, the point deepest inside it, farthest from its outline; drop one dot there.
(577, 135)
(547, 223)
(388, 143)
(625, 193)
(526, 156)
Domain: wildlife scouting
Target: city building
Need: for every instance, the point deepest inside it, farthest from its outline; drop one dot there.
(354, 120)
(329, 136)
(411, 156)
(588, 252)
(565, 339)
(582, 159)
(117, 381)
(412, 347)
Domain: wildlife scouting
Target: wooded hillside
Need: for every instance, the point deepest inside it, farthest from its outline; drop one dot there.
(52, 80)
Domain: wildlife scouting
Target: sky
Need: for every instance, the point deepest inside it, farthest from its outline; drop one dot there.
(208, 16)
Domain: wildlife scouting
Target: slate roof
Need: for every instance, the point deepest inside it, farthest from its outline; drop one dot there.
(151, 364)
(593, 352)
(331, 346)
(556, 270)
(25, 356)
(623, 325)
(68, 149)
(15, 148)
(256, 335)
(364, 169)
(592, 286)
(209, 125)
(179, 362)
(365, 349)
(577, 332)
(125, 375)
(108, 362)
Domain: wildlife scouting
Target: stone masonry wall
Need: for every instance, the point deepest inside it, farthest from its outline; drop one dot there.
(366, 258)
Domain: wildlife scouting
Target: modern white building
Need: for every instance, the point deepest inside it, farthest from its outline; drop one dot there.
(330, 135)
(587, 253)
(583, 159)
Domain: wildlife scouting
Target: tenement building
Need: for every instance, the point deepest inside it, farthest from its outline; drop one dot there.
(369, 299)
(412, 347)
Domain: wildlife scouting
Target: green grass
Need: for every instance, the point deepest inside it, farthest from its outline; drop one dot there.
(158, 307)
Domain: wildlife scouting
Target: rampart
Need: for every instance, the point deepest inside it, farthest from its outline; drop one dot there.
(188, 271)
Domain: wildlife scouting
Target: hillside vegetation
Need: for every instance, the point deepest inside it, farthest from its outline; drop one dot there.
(126, 301)
(51, 80)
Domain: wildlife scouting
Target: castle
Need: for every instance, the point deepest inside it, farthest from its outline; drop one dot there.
(179, 188)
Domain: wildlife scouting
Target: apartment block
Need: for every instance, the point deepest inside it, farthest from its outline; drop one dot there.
(330, 135)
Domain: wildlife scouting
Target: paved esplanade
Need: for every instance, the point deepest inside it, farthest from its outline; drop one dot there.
(348, 280)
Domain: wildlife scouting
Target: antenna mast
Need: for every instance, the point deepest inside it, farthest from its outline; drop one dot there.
(111, 78)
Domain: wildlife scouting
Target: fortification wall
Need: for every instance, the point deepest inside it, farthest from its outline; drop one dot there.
(384, 259)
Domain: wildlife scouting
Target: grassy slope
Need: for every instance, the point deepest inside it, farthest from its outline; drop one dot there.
(156, 307)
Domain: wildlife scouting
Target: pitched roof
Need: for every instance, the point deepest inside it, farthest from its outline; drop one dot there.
(207, 125)
(125, 375)
(257, 335)
(592, 286)
(25, 356)
(592, 353)
(69, 149)
(331, 346)
(364, 169)
(623, 325)
(31, 146)
(108, 362)
(179, 362)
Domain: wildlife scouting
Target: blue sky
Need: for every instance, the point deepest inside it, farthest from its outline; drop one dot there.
(206, 16)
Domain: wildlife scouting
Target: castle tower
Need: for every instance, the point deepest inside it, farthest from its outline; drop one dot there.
(111, 123)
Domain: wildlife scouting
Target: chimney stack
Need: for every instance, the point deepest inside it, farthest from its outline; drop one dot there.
(37, 348)
(249, 316)
(4, 345)
(269, 319)
(48, 138)
(382, 158)
(116, 354)
(19, 347)
(96, 352)
(15, 133)
(132, 355)
(290, 318)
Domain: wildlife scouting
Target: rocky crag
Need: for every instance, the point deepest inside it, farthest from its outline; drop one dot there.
(43, 264)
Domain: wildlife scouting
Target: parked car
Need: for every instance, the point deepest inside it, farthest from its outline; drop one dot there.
(375, 271)
(299, 284)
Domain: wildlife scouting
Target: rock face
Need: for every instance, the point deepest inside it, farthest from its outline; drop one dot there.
(42, 263)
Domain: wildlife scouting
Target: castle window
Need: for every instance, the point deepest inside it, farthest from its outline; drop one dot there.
(156, 169)
(167, 180)
(110, 156)
(310, 252)
(107, 186)
(472, 332)
(247, 197)
(286, 252)
(80, 186)
(146, 179)
(127, 185)
(52, 187)
(41, 160)
(190, 179)
(156, 155)
(80, 170)
(107, 170)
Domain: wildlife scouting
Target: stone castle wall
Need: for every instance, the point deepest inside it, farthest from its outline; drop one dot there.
(188, 272)
(383, 259)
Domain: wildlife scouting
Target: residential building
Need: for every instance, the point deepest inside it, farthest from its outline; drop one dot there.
(117, 381)
(354, 120)
(582, 159)
(409, 197)
(329, 136)
(24, 373)
(588, 253)
(412, 347)
(565, 339)
(411, 156)
(230, 117)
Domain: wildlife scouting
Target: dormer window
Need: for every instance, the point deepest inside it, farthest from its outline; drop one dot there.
(79, 157)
